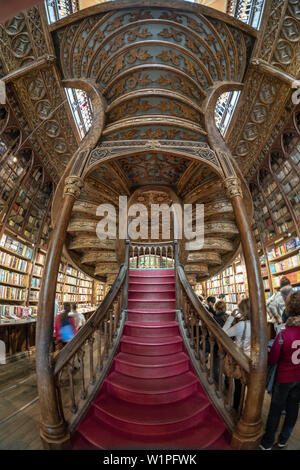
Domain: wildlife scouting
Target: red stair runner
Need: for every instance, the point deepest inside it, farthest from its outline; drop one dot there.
(151, 397)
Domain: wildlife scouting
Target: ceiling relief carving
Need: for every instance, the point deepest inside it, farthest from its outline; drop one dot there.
(41, 96)
(265, 99)
(153, 168)
(23, 40)
(115, 150)
(154, 66)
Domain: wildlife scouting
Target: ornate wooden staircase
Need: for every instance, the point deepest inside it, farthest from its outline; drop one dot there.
(151, 396)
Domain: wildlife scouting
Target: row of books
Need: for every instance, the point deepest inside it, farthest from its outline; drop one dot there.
(34, 295)
(37, 270)
(85, 283)
(267, 295)
(227, 272)
(12, 293)
(84, 290)
(71, 280)
(213, 284)
(229, 289)
(12, 277)
(17, 310)
(75, 298)
(228, 280)
(266, 283)
(288, 263)
(283, 249)
(16, 246)
(40, 259)
(293, 277)
(13, 262)
(71, 271)
(36, 282)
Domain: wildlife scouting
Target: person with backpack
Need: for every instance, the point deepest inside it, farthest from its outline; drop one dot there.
(64, 327)
(286, 391)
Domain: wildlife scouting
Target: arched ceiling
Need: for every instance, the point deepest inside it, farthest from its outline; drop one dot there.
(154, 65)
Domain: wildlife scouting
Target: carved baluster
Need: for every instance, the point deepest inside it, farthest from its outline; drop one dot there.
(230, 391)
(138, 258)
(111, 311)
(74, 407)
(105, 336)
(212, 341)
(203, 346)
(81, 355)
(220, 385)
(197, 339)
(243, 393)
(116, 310)
(192, 335)
(91, 341)
(160, 257)
(100, 352)
(172, 256)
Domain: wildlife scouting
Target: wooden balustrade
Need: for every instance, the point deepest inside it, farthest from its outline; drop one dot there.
(223, 369)
(152, 255)
(81, 366)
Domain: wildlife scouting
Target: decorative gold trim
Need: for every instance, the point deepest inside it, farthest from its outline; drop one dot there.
(233, 187)
(73, 186)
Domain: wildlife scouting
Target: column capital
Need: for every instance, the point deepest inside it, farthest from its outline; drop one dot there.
(233, 187)
(73, 186)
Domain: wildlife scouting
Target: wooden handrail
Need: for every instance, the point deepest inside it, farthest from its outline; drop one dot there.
(223, 339)
(83, 334)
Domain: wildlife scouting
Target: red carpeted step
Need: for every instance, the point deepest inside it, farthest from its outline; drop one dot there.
(151, 392)
(162, 285)
(151, 315)
(151, 304)
(153, 420)
(151, 329)
(151, 346)
(99, 435)
(155, 295)
(152, 273)
(151, 366)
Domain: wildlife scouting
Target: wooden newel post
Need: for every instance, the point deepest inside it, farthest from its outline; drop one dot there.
(53, 431)
(248, 432)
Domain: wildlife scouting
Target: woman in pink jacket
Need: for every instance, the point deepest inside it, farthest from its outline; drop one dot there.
(286, 392)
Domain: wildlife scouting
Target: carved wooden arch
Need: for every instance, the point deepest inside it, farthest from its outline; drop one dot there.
(218, 144)
(154, 146)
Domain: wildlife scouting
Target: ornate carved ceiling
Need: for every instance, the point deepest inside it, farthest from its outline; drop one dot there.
(154, 65)
(35, 92)
(265, 103)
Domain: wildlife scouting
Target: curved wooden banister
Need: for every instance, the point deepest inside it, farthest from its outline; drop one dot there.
(85, 332)
(223, 339)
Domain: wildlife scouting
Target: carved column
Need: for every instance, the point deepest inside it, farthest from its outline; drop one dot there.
(249, 428)
(53, 429)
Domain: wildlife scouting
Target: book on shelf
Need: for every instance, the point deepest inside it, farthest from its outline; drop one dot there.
(14, 245)
(12, 261)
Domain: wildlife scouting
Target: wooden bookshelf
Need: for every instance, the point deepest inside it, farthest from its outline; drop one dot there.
(276, 198)
(232, 282)
(74, 286)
